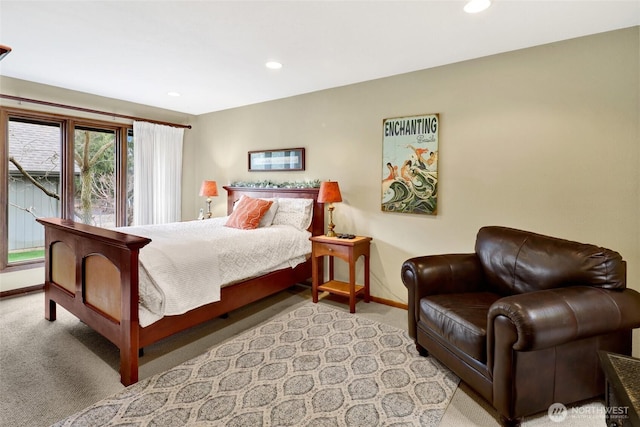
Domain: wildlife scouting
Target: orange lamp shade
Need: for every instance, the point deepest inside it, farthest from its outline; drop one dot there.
(208, 189)
(329, 192)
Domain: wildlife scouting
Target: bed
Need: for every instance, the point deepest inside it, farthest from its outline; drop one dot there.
(93, 273)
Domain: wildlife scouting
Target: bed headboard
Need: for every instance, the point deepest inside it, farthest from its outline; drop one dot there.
(317, 224)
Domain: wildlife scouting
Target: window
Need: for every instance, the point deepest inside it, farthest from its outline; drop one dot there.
(95, 177)
(58, 166)
(34, 185)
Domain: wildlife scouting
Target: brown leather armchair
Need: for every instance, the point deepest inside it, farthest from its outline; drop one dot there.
(521, 320)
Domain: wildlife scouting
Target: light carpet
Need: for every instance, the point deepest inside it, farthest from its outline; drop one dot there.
(314, 366)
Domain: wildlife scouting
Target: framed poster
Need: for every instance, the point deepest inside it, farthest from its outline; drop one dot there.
(410, 164)
(285, 159)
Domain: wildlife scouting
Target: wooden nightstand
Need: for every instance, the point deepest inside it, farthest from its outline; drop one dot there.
(348, 250)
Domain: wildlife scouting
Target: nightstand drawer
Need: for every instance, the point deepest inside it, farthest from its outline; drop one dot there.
(322, 249)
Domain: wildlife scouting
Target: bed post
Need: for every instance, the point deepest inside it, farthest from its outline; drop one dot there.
(49, 304)
(129, 324)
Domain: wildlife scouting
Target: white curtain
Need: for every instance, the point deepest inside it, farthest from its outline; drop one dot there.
(157, 173)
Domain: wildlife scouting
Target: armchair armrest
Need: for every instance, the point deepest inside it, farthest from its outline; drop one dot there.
(443, 274)
(551, 317)
(439, 274)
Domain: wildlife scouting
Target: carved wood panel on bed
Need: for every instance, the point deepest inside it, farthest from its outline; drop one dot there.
(93, 273)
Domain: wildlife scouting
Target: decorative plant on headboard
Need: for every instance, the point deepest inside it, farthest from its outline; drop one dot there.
(270, 184)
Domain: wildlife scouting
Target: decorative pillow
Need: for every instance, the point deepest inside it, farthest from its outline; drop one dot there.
(247, 213)
(295, 212)
(267, 219)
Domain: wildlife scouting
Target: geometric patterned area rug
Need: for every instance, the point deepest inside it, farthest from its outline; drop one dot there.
(314, 366)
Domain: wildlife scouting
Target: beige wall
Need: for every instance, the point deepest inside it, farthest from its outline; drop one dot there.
(24, 89)
(544, 139)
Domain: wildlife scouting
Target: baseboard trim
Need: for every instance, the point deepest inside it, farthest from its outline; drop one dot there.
(390, 303)
(21, 291)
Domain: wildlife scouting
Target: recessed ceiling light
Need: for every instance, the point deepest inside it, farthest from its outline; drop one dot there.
(273, 65)
(475, 6)
(173, 94)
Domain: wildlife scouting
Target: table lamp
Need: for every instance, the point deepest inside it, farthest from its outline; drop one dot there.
(208, 189)
(330, 193)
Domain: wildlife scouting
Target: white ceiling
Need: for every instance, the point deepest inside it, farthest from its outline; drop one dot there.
(213, 52)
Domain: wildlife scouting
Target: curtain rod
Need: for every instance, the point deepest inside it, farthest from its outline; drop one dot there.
(88, 110)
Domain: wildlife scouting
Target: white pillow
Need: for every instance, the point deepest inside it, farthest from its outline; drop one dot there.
(295, 212)
(267, 218)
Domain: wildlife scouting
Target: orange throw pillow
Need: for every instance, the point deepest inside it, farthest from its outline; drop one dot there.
(246, 215)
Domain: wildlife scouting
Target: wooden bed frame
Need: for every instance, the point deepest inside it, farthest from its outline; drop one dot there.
(93, 273)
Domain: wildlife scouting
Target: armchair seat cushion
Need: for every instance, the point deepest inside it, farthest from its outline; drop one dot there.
(460, 319)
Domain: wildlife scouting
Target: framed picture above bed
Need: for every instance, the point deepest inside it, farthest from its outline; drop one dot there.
(283, 159)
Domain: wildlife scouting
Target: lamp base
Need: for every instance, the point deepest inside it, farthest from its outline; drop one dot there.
(331, 225)
(208, 208)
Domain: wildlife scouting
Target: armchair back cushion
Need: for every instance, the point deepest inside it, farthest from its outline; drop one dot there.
(517, 262)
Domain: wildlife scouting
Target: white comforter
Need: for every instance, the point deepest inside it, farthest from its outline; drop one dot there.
(187, 263)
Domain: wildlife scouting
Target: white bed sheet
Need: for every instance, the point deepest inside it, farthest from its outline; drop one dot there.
(187, 263)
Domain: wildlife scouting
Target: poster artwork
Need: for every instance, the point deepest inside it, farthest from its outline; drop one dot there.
(410, 164)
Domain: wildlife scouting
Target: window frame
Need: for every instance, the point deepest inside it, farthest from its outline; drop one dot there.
(68, 125)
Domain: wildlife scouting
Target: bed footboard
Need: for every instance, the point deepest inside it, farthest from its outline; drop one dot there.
(93, 273)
